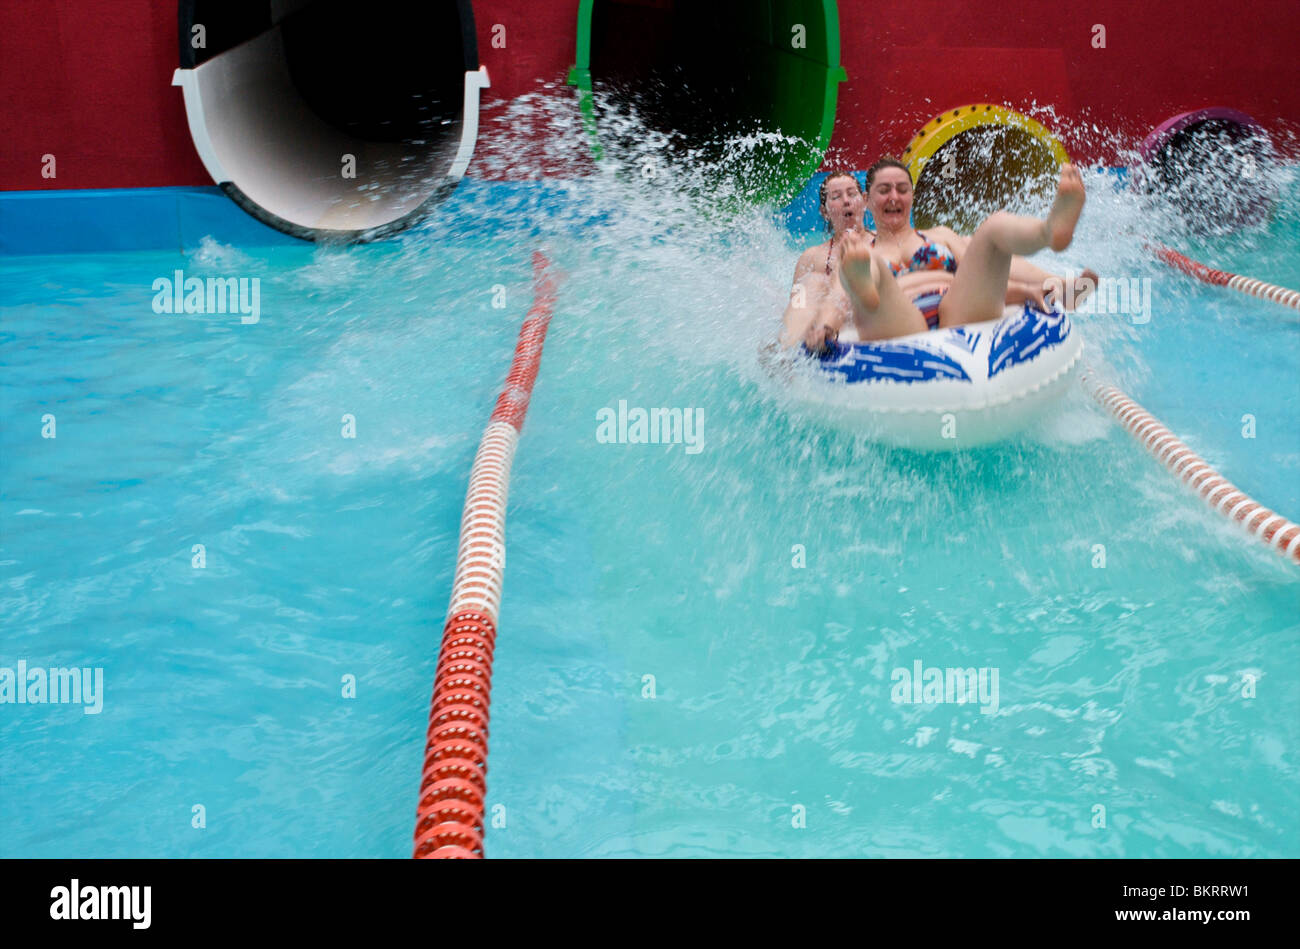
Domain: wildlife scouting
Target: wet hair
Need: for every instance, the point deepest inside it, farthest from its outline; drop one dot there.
(885, 161)
(821, 189)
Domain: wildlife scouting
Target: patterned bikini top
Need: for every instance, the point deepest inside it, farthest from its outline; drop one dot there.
(929, 256)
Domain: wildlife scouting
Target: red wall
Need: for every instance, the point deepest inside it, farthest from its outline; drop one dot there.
(89, 80)
(540, 46)
(1160, 59)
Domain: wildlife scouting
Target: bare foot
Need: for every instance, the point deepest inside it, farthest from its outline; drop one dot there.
(1084, 285)
(1066, 209)
(859, 271)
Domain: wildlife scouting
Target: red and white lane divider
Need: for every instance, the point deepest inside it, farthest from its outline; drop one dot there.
(449, 817)
(1271, 528)
(1221, 278)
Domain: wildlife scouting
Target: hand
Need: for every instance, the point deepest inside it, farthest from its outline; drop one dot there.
(1034, 294)
(819, 338)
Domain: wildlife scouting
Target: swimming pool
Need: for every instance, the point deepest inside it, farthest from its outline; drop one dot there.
(668, 680)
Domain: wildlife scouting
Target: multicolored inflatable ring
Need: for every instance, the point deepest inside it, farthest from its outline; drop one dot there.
(948, 388)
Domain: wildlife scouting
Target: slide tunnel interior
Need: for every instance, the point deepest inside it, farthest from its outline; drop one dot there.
(328, 118)
(706, 74)
(973, 160)
(1006, 164)
(1213, 166)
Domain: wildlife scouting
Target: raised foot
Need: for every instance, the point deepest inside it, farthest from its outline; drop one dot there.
(859, 271)
(1067, 207)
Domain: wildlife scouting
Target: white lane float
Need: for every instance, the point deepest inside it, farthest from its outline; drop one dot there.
(948, 388)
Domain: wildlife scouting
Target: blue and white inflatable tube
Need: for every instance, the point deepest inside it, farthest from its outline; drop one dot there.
(948, 388)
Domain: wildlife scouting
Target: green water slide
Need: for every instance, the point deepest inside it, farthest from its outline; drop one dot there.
(746, 87)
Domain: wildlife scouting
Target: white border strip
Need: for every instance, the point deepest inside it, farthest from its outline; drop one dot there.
(1265, 291)
(474, 82)
(481, 557)
(188, 80)
(1191, 469)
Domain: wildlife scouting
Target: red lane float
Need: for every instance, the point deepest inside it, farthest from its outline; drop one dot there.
(1273, 529)
(1221, 278)
(449, 816)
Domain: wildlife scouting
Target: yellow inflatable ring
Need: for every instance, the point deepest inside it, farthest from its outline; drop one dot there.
(957, 181)
(944, 128)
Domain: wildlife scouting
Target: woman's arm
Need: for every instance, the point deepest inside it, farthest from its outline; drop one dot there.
(1022, 271)
(806, 298)
(806, 264)
(806, 293)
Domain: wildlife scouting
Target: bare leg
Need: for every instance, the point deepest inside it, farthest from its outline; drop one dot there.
(880, 308)
(979, 290)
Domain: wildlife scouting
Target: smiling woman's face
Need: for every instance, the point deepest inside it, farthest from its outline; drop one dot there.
(890, 198)
(843, 204)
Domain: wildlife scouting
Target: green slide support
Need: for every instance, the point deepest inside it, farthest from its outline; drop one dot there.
(708, 76)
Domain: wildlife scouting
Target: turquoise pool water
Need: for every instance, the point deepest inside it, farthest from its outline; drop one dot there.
(768, 726)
